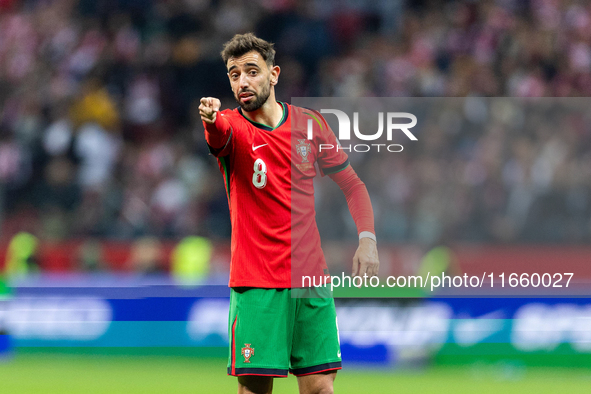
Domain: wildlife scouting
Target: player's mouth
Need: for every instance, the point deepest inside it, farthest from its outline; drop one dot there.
(246, 96)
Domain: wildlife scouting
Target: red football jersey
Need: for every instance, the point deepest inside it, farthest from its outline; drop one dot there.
(268, 174)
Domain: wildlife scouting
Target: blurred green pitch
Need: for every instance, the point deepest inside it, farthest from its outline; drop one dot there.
(73, 374)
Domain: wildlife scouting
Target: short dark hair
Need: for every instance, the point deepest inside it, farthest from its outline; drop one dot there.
(241, 44)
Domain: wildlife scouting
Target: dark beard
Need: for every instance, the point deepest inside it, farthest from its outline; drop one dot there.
(258, 102)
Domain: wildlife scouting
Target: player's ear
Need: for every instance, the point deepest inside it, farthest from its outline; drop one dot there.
(275, 71)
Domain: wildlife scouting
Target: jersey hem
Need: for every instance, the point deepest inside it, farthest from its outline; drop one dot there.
(261, 285)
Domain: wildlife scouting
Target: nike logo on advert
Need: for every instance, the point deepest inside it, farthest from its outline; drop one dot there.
(257, 147)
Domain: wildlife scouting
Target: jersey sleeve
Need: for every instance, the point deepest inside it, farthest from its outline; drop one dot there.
(332, 160)
(357, 197)
(219, 135)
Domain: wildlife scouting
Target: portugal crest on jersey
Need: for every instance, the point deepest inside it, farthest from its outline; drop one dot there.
(303, 150)
(247, 352)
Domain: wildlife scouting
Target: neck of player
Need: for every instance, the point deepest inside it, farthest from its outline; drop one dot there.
(269, 114)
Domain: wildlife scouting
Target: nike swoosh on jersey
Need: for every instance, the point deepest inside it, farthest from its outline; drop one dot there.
(257, 147)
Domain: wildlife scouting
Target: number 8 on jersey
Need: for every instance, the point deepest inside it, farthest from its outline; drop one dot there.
(259, 178)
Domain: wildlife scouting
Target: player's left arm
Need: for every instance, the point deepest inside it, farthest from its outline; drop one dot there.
(366, 259)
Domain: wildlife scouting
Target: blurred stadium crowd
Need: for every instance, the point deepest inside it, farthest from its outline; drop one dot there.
(100, 133)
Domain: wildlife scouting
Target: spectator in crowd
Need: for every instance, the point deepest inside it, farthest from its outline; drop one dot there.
(98, 133)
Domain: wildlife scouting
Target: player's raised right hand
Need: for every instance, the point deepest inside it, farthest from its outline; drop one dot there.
(208, 109)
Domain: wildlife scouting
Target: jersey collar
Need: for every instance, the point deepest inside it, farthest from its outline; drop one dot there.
(264, 126)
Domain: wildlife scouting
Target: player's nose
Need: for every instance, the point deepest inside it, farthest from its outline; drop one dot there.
(244, 81)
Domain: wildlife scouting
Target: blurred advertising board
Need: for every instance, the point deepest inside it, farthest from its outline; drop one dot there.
(159, 315)
(5, 342)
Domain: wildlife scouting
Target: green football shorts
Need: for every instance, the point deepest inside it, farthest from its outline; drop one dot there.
(271, 334)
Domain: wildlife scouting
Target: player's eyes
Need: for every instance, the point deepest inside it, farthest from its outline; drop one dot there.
(235, 76)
